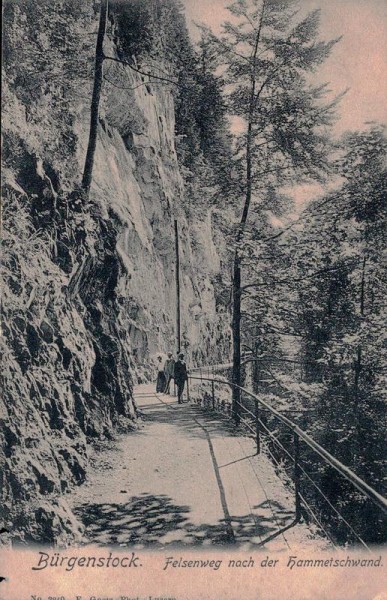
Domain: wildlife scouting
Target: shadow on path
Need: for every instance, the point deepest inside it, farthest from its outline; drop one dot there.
(155, 522)
(182, 416)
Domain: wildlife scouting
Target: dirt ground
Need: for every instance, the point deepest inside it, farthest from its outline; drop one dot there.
(186, 477)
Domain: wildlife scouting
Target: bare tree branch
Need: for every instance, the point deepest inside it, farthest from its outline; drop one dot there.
(150, 75)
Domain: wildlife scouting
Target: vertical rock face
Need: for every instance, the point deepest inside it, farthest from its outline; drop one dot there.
(138, 183)
(89, 292)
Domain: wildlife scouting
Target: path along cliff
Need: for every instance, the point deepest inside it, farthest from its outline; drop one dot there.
(187, 477)
(88, 290)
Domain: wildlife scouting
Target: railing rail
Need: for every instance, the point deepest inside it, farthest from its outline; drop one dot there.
(361, 485)
(298, 434)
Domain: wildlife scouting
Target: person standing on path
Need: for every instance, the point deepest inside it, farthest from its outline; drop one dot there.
(160, 383)
(169, 371)
(181, 376)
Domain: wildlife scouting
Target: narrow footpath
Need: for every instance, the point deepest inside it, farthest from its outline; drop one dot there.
(185, 477)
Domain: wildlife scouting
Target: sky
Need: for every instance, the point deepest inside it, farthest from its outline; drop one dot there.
(357, 62)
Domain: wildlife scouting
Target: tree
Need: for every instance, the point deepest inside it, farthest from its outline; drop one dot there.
(97, 88)
(321, 280)
(46, 64)
(339, 316)
(153, 41)
(94, 110)
(267, 54)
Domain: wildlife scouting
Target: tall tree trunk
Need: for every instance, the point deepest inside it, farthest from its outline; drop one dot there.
(358, 365)
(94, 111)
(236, 289)
(256, 365)
(236, 295)
(236, 338)
(358, 368)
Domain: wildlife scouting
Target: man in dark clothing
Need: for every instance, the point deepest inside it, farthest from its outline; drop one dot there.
(181, 376)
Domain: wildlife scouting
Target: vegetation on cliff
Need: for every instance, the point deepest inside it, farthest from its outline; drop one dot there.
(308, 295)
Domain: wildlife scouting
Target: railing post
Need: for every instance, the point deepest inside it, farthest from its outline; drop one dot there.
(258, 441)
(213, 394)
(297, 475)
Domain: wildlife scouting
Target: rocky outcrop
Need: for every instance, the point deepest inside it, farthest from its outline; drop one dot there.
(138, 181)
(89, 291)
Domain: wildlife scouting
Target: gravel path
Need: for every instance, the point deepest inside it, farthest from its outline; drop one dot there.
(185, 477)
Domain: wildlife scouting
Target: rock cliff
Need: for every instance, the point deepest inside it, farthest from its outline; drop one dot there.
(89, 291)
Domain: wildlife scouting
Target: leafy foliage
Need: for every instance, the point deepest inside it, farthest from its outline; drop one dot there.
(314, 294)
(322, 282)
(267, 55)
(47, 61)
(155, 35)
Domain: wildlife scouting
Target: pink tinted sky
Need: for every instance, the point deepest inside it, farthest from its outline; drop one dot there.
(358, 61)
